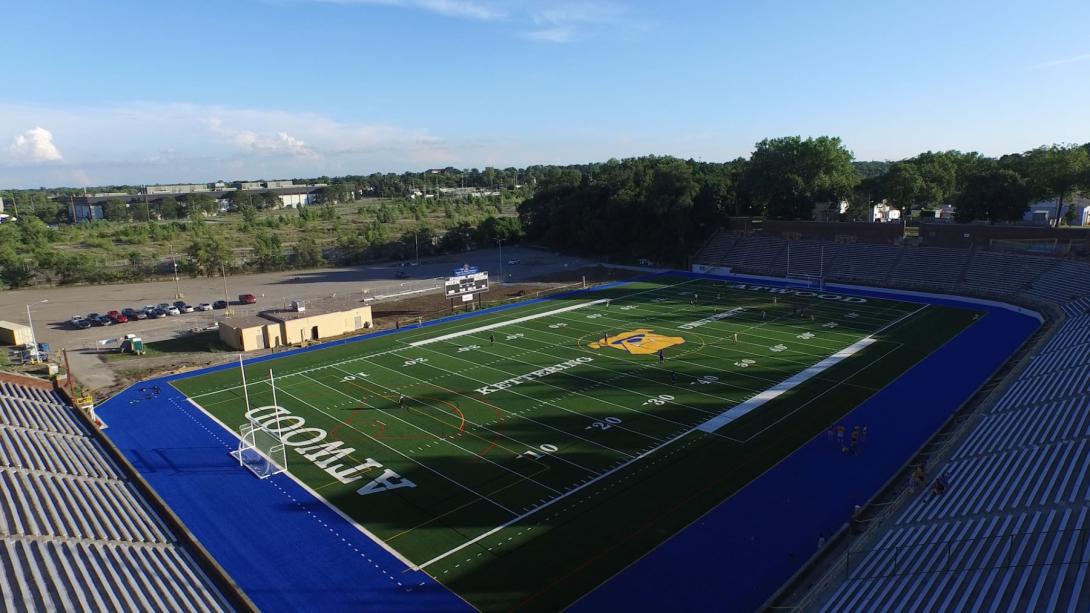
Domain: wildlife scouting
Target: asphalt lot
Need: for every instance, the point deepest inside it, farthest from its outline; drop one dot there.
(52, 307)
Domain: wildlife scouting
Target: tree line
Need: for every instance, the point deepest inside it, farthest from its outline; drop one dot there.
(663, 208)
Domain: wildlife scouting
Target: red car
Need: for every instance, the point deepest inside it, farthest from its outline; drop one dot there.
(247, 299)
(112, 314)
(119, 318)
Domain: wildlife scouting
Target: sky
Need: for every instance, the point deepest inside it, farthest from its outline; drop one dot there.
(154, 91)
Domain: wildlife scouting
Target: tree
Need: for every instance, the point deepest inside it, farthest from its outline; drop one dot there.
(249, 214)
(308, 254)
(268, 252)
(116, 210)
(904, 188)
(1055, 172)
(169, 208)
(788, 176)
(208, 253)
(994, 195)
(269, 200)
(199, 204)
(240, 198)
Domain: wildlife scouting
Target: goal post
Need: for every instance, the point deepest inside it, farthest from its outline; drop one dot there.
(261, 451)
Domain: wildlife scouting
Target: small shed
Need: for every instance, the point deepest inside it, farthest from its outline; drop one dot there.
(15, 334)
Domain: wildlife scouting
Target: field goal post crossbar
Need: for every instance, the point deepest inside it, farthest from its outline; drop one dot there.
(260, 450)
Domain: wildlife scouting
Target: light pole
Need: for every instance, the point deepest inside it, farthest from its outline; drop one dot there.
(177, 283)
(33, 338)
(227, 309)
(499, 241)
(416, 243)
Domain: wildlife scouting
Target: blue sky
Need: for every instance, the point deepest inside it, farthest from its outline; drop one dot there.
(153, 91)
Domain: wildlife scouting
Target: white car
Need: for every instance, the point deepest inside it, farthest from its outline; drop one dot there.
(172, 310)
(164, 305)
(204, 306)
(513, 262)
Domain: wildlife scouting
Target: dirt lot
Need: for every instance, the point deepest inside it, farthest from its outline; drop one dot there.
(402, 300)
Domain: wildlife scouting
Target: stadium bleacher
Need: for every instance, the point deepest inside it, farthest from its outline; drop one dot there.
(1009, 530)
(863, 262)
(74, 533)
(931, 266)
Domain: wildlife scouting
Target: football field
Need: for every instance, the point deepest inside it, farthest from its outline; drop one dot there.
(522, 457)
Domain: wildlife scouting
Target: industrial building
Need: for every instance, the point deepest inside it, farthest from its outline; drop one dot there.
(15, 334)
(277, 328)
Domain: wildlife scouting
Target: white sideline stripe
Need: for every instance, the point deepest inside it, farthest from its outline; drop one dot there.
(737, 411)
(508, 322)
(775, 391)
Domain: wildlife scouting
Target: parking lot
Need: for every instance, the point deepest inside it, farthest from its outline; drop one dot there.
(52, 308)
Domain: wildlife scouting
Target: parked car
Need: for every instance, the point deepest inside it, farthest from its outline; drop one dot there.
(219, 304)
(104, 320)
(119, 318)
(158, 313)
(112, 314)
(204, 306)
(247, 299)
(93, 318)
(163, 305)
(173, 310)
(79, 322)
(513, 262)
(183, 307)
(132, 313)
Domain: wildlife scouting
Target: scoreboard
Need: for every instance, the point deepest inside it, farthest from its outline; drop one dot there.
(467, 284)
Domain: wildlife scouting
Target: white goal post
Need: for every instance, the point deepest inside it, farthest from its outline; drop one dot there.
(261, 451)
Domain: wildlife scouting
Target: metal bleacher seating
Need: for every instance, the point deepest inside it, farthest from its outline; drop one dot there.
(74, 533)
(863, 262)
(931, 266)
(1004, 273)
(805, 258)
(1011, 530)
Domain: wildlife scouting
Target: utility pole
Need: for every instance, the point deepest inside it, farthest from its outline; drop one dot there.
(499, 241)
(177, 282)
(33, 338)
(416, 242)
(227, 311)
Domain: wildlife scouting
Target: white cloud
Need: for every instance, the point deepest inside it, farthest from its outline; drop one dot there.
(464, 9)
(34, 145)
(552, 35)
(155, 142)
(1067, 60)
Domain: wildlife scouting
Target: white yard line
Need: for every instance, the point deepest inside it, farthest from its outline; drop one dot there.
(508, 322)
(518, 320)
(613, 470)
(779, 389)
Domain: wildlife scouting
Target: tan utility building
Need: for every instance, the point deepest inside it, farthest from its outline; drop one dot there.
(15, 334)
(272, 329)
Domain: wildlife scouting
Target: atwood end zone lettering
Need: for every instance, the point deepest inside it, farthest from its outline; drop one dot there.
(530, 376)
(308, 442)
(799, 292)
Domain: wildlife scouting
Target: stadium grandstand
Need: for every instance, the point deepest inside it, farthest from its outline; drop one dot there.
(993, 514)
(75, 534)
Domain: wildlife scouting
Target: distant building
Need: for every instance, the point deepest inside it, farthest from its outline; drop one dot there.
(180, 188)
(830, 211)
(271, 329)
(885, 213)
(1075, 212)
(89, 208)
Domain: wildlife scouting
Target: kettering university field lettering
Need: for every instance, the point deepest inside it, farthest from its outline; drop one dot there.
(800, 293)
(530, 376)
(307, 442)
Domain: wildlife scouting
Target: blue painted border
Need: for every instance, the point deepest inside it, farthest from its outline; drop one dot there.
(289, 551)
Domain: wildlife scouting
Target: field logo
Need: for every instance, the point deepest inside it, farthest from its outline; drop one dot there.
(639, 342)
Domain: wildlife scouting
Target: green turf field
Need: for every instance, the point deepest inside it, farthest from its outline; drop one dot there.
(520, 457)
